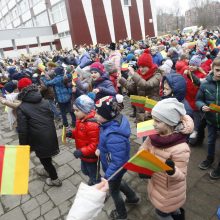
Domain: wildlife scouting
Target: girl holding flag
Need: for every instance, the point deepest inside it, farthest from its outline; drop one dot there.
(167, 191)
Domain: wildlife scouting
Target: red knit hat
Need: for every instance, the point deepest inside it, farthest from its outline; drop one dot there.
(145, 59)
(23, 83)
(98, 67)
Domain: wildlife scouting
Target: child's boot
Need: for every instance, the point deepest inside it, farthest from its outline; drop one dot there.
(180, 216)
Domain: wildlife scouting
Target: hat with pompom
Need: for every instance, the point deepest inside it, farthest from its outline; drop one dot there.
(145, 59)
(109, 107)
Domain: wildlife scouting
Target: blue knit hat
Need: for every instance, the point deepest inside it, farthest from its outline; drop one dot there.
(59, 70)
(195, 61)
(130, 56)
(84, 103)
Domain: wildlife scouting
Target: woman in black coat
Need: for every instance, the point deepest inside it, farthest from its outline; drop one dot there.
(36, 128)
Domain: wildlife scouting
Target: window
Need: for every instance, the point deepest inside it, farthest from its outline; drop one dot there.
(59, 12)
(34, 2)
(14, 13)
(127, 2)
(28, 23)
(24, 6)
(42, 20)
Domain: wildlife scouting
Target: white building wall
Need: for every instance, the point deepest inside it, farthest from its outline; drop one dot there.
(87, 5)
(5, 43)
(44, 39)
(26, 41)
(66, 42)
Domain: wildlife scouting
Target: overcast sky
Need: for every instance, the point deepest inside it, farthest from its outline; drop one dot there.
(171, 3)
(184, 4)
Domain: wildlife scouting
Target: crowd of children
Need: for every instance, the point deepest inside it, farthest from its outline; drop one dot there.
(89, 84)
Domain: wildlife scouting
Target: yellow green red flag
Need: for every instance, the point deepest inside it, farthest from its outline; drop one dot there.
(145, 162)
(145, 128)
(14, 169)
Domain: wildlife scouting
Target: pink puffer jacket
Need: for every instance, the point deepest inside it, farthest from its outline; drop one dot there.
(168, 193)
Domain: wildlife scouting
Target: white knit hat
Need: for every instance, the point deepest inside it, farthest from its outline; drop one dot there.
(169, 111)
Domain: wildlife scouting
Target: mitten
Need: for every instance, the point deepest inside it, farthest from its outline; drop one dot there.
(171, 164)
(78, 153)
(69, 134)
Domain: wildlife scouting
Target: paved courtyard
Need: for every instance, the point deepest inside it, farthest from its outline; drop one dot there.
(44, 202)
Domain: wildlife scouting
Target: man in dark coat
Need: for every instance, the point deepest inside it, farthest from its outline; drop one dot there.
(36, 128)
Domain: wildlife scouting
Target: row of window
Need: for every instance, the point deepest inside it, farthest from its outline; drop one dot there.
(57, 14)
(64, 34)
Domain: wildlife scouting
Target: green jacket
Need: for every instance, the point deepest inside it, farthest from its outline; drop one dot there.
(209, 92)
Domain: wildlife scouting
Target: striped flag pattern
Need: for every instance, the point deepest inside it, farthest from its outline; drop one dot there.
(14, 169)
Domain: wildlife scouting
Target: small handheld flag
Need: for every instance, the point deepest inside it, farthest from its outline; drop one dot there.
(214, 108)
(14, 169)
(145, 128)
(124, 66)
(143, 162)
(138, 101)
(74, 78)
(146, 163)
(41, 67)
(64, 135)
(149, 104)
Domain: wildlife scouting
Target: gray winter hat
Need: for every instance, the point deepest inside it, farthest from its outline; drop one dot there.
(84, 103)
(169, 111)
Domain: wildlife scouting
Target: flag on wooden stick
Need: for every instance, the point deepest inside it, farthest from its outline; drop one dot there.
(64, 135)
(14, 169)
(146, 163)
(145, 128)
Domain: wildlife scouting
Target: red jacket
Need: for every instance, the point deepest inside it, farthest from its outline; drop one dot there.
(181, 66)
(113, 77)
(86, 135)
(192, 89)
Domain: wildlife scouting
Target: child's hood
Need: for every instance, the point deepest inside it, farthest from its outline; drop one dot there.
(178, 85)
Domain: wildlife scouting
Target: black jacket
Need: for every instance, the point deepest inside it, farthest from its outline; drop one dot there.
(35, 123)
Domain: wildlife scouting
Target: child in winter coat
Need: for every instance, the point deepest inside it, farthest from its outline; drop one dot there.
(114, 148)
(209, 92)
(101, 84)
(167, 190)
(146, 80)
(194, 71)
(174, 86)
(86, 135)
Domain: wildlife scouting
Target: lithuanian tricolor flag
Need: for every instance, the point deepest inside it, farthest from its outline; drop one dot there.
(138, 101)
(14, 169)
(214, 108)
(41, 67)
(124, 66)
(149, 104)
(145, 128)
(146, 163)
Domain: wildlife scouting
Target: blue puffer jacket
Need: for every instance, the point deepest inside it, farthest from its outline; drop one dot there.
(178, 85)
(157, 58)
(105, 86)
(84, 60)
(114, 145)
(62, 93)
